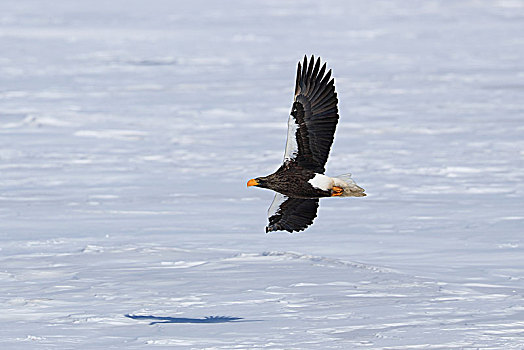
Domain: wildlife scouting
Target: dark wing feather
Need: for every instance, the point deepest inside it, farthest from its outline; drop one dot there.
(314, 116)
(291, 214)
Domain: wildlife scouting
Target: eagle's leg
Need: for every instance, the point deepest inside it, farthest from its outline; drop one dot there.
(336, 191)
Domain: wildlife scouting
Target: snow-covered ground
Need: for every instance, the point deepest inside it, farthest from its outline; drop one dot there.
(128, 130)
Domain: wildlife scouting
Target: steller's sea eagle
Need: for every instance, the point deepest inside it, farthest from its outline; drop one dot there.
(300, 181)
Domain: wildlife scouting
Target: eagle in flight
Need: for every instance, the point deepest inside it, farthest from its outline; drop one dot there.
(300, 181)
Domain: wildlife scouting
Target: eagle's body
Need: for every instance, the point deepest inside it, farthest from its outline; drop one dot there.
(300, 181)
(293, 181)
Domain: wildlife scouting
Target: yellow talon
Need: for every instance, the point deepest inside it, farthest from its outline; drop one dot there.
(336, 191)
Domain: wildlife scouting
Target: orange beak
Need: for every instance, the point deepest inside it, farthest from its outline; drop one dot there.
(252, 182)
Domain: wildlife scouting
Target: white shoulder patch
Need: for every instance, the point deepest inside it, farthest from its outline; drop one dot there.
(321, 182)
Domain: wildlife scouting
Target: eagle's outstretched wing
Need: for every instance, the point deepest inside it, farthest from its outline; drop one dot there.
(314, 116)
(291, 214)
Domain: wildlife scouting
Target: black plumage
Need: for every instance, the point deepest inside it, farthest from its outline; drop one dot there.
(315, 112)
(311, 127)
(293, 214)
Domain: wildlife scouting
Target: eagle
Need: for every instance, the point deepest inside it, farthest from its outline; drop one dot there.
(300, 181)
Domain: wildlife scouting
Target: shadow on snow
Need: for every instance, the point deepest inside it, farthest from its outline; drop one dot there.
(207, 319)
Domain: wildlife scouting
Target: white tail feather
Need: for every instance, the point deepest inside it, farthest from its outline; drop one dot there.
(351, 189)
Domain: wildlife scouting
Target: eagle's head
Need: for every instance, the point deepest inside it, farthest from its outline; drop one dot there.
(259, 182)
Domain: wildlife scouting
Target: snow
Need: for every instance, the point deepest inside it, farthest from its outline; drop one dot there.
(128, 130)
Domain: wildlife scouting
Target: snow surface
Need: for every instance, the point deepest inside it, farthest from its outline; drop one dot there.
(128, 130)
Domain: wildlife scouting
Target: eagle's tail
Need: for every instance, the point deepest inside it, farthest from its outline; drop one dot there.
(351, 189)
